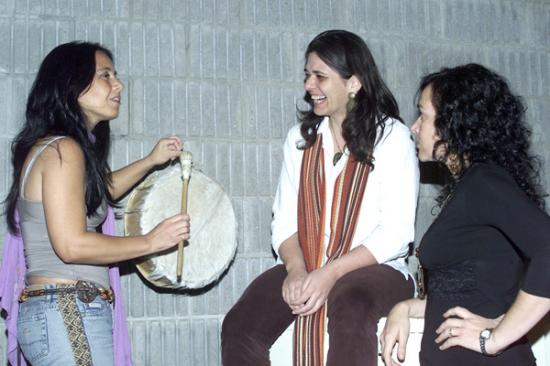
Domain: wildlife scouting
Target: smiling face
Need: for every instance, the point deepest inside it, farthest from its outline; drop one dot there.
(101, 101)
(328, 90)
(424, 128)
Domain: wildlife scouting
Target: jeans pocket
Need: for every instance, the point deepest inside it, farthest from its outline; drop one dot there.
(32, 335)
(97, 308)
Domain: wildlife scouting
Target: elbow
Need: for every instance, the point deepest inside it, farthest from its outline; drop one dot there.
(66, 252)
(66, 255)
(389, 248)
(115, 194)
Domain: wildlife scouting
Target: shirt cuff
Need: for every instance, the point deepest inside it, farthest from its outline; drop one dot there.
(537, 278)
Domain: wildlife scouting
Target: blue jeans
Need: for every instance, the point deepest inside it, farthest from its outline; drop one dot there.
(43, 339)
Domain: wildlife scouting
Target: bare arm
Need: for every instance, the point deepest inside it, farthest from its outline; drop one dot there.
(293, 259)
(125, 178)
(525, 312)
(62, 182)
(291, 254)
(356, 258)
(396, 329)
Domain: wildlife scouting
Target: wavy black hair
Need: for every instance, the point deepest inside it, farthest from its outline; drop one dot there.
(53, 110)
(479, 119)
(349, 55)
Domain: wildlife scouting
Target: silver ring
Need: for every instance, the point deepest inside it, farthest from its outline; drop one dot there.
(451, 332)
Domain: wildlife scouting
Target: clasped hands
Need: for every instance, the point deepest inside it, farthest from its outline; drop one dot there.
(306, 292)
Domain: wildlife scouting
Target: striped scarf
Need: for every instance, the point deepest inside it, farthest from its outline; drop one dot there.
(346, 203)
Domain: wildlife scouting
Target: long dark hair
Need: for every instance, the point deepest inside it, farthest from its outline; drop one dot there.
(478, 119)
(349, 55)
(53, 109)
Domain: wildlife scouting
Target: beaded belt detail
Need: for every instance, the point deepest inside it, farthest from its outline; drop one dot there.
(85, 292)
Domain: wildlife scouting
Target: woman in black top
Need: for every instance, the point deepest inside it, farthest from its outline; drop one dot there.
(486, 257)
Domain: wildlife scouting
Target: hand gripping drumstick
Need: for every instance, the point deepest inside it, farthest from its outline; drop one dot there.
(186, 160)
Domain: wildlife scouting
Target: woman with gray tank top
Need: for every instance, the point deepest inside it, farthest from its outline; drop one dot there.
(59, 197)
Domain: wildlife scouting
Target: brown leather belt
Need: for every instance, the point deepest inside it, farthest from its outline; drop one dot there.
(85, 292)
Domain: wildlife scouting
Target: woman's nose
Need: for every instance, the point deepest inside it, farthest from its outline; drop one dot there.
(308, 83)
(415, 125)
(118, 84)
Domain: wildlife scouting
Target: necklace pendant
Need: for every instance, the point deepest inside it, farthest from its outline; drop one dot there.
(336, 157)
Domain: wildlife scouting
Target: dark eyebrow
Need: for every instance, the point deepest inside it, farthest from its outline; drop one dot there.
(106, 68)
(316, 72)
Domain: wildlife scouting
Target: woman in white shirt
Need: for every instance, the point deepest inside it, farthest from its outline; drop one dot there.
(342, 248)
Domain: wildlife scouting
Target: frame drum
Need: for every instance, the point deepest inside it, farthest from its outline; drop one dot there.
(213, 241)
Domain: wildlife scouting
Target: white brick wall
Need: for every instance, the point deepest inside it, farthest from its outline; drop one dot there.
(225, 75)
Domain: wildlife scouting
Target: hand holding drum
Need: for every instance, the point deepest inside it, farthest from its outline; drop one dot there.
(168, 233)
(157, 200)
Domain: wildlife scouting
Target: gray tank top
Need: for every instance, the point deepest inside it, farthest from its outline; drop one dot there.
(41, 258)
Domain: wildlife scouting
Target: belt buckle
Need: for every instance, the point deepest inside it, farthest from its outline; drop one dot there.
(86, 291)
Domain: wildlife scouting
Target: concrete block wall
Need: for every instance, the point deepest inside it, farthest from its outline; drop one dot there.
(226, 76)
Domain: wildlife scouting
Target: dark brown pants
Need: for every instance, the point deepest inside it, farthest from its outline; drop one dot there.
(355, 304)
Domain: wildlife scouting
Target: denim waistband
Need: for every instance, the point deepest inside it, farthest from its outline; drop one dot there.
(84, 290)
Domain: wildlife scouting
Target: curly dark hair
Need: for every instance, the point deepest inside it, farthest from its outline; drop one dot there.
(349, 55)
(53, 110)
(479, 120)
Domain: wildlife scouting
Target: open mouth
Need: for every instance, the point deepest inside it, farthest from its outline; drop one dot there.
(317, 99)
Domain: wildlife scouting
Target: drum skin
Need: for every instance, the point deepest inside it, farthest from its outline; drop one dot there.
(213, 241)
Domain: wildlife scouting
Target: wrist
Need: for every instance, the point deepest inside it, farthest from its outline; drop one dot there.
(149, 162)
(402, 307)
(488, 343)
(491, 347)
(333, 270)
(295, 266)
(149, 240)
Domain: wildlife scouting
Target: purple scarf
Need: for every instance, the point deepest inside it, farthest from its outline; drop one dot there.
(12, 281)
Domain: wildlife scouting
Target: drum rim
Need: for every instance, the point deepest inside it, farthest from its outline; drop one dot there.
(145, 265)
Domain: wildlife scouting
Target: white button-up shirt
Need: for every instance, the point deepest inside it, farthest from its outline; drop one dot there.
(386, 218)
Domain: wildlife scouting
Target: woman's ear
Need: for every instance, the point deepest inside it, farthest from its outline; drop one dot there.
(353, 84)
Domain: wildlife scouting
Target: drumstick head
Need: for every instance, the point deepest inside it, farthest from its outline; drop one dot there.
(186, 161)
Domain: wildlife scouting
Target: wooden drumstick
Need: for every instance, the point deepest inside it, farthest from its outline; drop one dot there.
(186, 161)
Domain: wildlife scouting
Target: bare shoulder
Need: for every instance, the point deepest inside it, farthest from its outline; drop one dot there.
(56, 163)
(63, 150)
